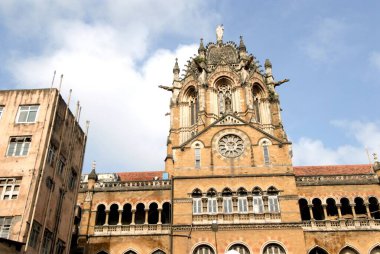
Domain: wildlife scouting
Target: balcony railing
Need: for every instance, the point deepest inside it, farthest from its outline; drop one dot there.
(235, 218)
(350, 224)
(154, 184)
(139, 229)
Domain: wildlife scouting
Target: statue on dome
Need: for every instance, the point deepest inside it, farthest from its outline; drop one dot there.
(219, 33)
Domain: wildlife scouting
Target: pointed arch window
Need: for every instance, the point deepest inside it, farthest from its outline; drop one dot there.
(273, 205)
(212, 203)
(242, 200)
(197, 201)
(258, 204)
(257, 95)
(227, 201)
(224, 96)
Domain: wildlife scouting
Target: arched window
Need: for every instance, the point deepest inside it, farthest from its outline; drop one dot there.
(257, 95)
(348, 250)
(227, 200)
(140, 214)
(191, 97)
(273, 205)
(203, 249)
(375, 250)
(304, 209)
(273, 249)
(130, 252)
(153, 214)
(100, 215)
(126, 217)
(360, 209)
(166, 213)
(212, 204)
(345, 207)
(257, 200)
(242, 200)
(158, 252)
(374, 208)
(318, 250)
(197, 201)
(113, 217)
(332, 210)
(318, 209)
(224, 96)
(240, 248)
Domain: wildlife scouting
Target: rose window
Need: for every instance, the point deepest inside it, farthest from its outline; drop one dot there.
(231, 146)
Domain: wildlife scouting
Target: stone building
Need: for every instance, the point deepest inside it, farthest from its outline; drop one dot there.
(41, 154)
(229, 185)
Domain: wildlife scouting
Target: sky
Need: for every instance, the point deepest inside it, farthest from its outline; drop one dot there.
(114, 54)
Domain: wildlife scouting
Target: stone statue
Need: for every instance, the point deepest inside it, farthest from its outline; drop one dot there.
(219, 33)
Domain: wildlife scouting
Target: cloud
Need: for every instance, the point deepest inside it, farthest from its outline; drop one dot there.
(366, 135)
(326, 41)
(374, 60)
(108, 57)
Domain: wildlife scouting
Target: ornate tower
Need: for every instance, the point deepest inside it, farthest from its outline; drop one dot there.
(225, 114)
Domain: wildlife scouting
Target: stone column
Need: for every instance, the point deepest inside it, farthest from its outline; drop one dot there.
(353, 210)
(325, 210)
(107, 215)
(367, 210)
(159, 216)
(133, 216)
(146, 216)
(120, 216)
(311, 212)
(338, 206)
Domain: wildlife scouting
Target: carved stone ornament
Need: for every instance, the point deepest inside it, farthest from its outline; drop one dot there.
(231, 146)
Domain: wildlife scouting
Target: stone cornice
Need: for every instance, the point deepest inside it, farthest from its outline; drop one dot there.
(359, 179)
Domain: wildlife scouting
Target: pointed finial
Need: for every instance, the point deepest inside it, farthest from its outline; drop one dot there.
(267, 64)
(176, 67)
(201, 47)
(242, 45)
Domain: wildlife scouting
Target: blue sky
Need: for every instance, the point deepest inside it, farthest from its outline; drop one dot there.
(114, 54)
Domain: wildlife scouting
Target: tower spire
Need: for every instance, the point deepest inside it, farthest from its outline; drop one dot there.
(242, 45)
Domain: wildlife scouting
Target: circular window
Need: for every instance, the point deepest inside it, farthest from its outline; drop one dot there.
(231, 146)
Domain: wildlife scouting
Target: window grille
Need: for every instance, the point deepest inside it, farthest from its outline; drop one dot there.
(47, 242)
(266, 153)
(51, 155)
(273, 249)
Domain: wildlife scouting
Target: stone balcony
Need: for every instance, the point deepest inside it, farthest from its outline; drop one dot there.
(333, 225)
(139, 229)
(235, 218)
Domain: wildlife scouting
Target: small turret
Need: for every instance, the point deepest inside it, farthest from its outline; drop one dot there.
(176, 70)
(268, 71)
(92, 177)
(201, 49)
(242, 48)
